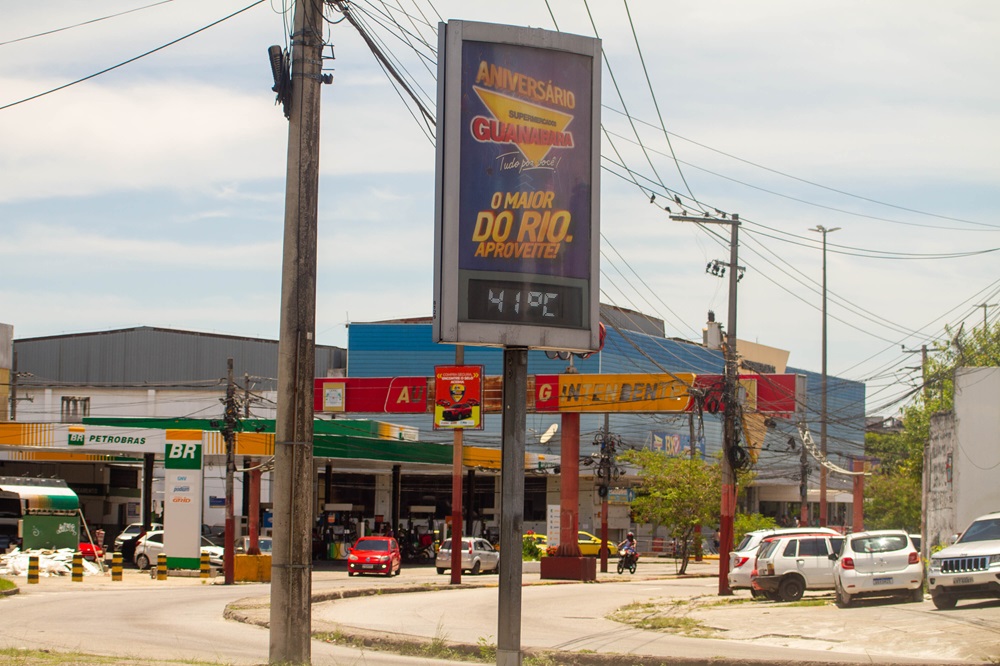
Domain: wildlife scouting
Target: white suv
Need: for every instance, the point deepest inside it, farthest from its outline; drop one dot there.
(787, 566)
(969, 569)
(741, 558)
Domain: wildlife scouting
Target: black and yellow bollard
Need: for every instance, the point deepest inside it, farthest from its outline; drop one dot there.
(77, 567)
(161, 566)
(116, 566)
(203, 566)
(33, 568)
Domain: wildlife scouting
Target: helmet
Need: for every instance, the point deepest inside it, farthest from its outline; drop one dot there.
(629, 536)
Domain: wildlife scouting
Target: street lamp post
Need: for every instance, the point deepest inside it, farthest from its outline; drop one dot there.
(730, 427)
(823, 417)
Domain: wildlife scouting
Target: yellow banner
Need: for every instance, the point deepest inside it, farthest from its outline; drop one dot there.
(624, 393)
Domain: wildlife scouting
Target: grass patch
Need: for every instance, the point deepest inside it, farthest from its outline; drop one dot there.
(661, 617)
(20, 657)
(435, 648)
(6, 584)
(809, 602)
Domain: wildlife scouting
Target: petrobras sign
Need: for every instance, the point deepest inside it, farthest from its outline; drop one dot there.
(183, 454)
(182, 460)
(105, 439)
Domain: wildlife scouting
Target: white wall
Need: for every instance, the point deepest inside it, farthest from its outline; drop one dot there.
(977, 455)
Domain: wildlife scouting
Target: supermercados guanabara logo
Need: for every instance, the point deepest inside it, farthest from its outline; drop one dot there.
(534, 129)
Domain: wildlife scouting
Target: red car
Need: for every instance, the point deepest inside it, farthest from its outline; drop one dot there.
(374, 555)
(91, 551)
(457, 412)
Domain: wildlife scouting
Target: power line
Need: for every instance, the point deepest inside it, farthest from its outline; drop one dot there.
(82, 23)
(131, 60)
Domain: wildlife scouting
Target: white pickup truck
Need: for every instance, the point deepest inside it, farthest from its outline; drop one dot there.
(970, 568)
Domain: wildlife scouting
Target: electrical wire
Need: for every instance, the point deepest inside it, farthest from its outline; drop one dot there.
(133, 59)
(83, 23)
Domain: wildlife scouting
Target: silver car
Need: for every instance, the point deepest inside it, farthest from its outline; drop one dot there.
(151, 545)
(478, 556)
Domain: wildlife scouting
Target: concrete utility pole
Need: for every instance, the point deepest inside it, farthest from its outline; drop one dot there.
(985, 307)
(13, 387)
(803, 486)
(229, 435)
(731, 428)
(291, 564)
(823, 417)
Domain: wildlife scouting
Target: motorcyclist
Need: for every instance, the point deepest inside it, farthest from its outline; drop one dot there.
(627, 547)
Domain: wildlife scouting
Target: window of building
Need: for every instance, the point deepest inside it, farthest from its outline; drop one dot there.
(74, 409)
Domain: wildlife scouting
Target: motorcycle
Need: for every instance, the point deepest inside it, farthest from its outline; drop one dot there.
(628, 560)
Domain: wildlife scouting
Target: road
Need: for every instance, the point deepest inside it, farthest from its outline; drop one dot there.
(144, 620)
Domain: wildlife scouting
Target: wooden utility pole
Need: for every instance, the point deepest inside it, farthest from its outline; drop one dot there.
(291, 564)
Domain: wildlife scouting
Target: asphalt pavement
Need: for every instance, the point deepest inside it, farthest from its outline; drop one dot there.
(570, 619)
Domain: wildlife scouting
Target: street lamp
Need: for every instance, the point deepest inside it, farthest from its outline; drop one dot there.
(822, 437)
(731, 428)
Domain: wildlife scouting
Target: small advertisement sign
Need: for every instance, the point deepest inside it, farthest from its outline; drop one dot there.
(333, 397)
(552, 523)
(459, 392)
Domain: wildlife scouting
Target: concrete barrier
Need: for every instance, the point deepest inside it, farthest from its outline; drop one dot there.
(252, 568)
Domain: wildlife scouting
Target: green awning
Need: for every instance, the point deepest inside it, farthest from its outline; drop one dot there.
(45, 498)
(348, 439)
(389, 450)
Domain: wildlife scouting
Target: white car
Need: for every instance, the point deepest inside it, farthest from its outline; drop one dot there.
(478, 556)
(970, 568)
(132, 531)
(878, 563)
(789, 565)
(151, 545)
(741, 558)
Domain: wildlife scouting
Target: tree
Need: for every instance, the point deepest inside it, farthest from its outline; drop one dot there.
(893, 492)
(677, 493)
(892, 501)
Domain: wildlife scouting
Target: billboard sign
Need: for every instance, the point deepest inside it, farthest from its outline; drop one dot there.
(517, 209)
(370, 395)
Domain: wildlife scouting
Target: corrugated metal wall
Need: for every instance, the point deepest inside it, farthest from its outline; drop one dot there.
(394, 349)
(155, 356)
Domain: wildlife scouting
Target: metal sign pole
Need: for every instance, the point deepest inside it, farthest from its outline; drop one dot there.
(515, 391)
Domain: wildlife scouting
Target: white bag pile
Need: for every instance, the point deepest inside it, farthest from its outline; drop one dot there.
(50, 563)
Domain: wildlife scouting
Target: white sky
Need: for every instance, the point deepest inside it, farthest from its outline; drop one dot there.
(153, 194)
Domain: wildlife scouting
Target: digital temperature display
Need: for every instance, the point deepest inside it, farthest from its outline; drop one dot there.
(533, 303)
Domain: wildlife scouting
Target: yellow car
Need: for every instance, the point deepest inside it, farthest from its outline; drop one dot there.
(539, 540)
(590, 545)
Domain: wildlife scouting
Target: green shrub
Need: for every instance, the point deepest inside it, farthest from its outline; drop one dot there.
(750, 522)
(530, 550)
